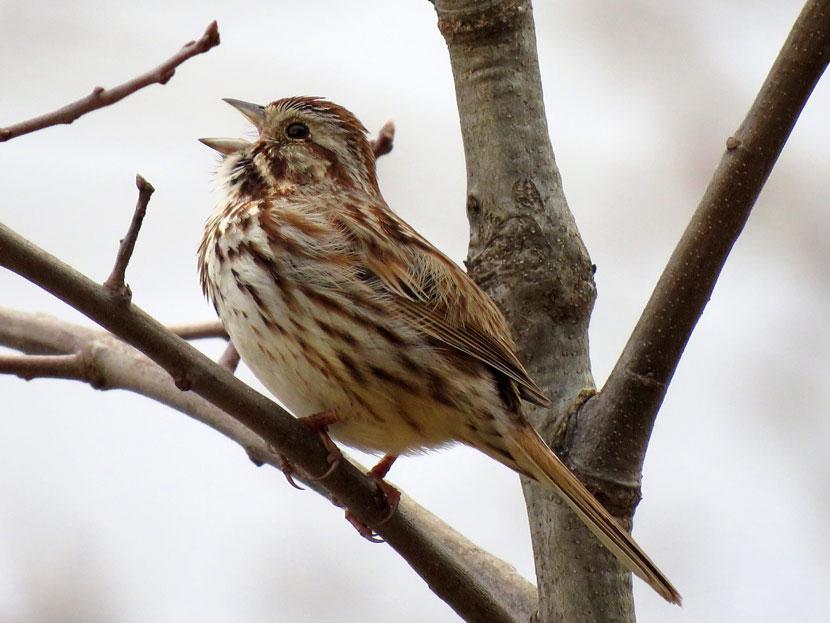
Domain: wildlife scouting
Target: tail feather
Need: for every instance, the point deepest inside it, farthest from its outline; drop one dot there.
(534, 457)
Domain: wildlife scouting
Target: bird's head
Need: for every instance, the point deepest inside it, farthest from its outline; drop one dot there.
(304, 143)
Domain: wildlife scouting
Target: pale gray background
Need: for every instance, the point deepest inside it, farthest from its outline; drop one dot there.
(113, 508)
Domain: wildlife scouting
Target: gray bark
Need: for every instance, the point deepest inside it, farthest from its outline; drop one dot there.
(526, 252)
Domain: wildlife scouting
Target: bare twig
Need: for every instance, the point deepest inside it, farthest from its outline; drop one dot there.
(115, 282)
(101, 97)
(613, 430)
(44, 366)
(229, 358)
(443, 557)
(383, 143)
(200, 330)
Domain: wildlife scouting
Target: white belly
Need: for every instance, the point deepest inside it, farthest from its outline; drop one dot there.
(317, 358)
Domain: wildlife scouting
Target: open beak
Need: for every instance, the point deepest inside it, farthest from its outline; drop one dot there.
(225, 146)
(253, 112)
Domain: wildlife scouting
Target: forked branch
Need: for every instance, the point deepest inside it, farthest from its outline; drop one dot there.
(612, 432)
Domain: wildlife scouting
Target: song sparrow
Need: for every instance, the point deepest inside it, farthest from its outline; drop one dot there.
(340, 308)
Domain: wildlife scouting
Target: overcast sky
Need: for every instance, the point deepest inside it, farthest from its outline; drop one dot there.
(115, 508)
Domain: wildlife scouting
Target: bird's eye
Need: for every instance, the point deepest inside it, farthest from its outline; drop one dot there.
(297, 131)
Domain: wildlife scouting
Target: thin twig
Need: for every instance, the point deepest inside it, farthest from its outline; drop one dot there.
(101, 97)
(200, 330)
(613, 430)
(229, 358)
(383, 143)
(115, 282)
(30, 367)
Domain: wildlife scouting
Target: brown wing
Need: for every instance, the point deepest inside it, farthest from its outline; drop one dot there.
(433, 293)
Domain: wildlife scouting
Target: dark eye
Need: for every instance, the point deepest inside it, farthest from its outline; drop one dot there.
(297, 131)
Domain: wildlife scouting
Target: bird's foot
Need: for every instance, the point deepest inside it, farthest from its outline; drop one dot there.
(319, 423)
(388, 497)
(287, 470)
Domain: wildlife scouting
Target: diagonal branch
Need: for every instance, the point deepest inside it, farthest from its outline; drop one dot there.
(443, 557)
(101, 97)
(115, 282)
(613, 430)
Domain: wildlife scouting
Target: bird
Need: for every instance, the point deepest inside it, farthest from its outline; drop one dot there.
(359, 325)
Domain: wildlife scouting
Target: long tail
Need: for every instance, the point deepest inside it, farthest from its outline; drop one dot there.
(536, 458)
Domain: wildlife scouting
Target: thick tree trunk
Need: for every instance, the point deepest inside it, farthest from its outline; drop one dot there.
(526, 252)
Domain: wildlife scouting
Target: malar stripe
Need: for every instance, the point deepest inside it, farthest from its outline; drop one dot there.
(335, 170)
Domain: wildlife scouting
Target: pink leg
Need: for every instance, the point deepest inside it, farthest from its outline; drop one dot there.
(389, 497)
(319, 423)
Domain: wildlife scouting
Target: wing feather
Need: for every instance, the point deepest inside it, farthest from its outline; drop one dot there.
(433, 294)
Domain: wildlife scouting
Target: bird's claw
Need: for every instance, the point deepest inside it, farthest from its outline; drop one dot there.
(319, 423)
(389, 497)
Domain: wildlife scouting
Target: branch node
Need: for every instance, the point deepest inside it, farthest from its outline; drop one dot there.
(183, 381)
(732, 143)
(256, 456)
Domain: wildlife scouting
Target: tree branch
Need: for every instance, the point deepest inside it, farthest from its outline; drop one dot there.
(115, 282)
(526, 252)
(229, 358)
(200, 330)
(383, 143)
(30, 367)
(101, 97)
(488, 588)
(611, 434)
